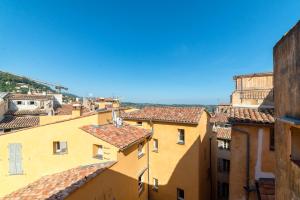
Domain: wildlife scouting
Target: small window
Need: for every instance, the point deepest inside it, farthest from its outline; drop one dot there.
(295, 145)
(98, 151)
(155, 145)
(19, 102)
(223, 165)
(60, 147)
(155, 184)
(140, 150)
(139, 123)
(180, 194)
(140, 183)
(31, 102)
(272, 139)
(181, 136)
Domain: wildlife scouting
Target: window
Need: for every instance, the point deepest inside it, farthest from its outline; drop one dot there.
(224, 144)
(180, 194)
(31, 103)
(19, 103)
(140, 183)
(140, 150)
(98, 151)
(60, 147)
(295, 146)
(223, 190)
(155, 184)
(272, 140)
(139, 123)
(155, 145)
(223, 165)
(180, 136)
(15, 159)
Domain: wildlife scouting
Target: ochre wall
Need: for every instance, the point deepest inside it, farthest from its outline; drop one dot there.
(237, 177)
(286, 56)
(180, 166)
(37, 151)
(119, 181)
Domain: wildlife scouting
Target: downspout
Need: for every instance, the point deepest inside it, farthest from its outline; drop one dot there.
(148, 149)
(247, 183)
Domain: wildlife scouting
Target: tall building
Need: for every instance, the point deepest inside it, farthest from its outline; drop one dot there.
(180, 161)
(287, 126)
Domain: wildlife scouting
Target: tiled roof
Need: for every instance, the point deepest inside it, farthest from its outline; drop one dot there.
(251, 115)
(66, 109)
(121, 137)
(253, 75)
(186, 115)
(26, 112)
(266, 188)
(12, 122)
(59, 185)
(29, 97)
(223, 133)
(219, 118)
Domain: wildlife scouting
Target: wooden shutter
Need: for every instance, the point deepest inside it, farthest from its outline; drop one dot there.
(15, 158)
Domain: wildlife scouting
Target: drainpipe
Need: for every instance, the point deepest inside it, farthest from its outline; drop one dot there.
(247, 184)
(152, 130)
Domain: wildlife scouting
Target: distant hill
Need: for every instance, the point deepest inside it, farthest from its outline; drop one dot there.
(210, 108)
(18, 84)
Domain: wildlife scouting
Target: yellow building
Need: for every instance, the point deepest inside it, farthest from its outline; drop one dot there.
(252, 159)
(125, 177)
(287, 126)
(179, 151)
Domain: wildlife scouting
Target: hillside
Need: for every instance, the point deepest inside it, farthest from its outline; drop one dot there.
(18, 84)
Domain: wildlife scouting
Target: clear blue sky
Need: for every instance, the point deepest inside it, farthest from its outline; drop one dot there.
(143, 51)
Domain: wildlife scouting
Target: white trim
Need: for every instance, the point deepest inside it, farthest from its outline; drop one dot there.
(258, 172)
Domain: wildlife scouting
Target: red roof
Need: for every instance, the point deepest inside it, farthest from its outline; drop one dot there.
(121, 137)
(251, 115)
(12, 122)
(59, 185)
(29, 97)
(186, 115)
(66, 109)
(223, 133)
(26, 112)
(219, 118)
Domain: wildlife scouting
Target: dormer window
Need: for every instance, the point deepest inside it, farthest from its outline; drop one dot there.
(60, 147)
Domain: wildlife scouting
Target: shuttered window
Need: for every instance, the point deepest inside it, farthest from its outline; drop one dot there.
(15, 159)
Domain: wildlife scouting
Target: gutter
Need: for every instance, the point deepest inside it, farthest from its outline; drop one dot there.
(247, 183)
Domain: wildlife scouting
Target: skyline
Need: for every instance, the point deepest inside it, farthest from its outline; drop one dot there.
(126, 50)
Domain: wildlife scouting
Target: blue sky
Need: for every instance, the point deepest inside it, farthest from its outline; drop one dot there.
(154, 51)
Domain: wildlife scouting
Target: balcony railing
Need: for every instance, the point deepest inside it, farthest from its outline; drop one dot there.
(256, 94)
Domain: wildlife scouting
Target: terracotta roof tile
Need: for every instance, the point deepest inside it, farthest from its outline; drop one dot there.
(29, 97)
(121, 137)
(223, 133)
(11, 122)
(59, 185)
(66, 109)
(186, 115)
(219, 118)
(26, 112)
(251, 115)
(266, 188)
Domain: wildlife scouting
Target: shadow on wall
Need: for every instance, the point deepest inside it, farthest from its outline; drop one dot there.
(192, 174)
(268, 100)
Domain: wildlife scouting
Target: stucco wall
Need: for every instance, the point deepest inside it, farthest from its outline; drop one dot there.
(119, 181)
(286, 55)
(180, 166)
(237, 177)
(38, 158)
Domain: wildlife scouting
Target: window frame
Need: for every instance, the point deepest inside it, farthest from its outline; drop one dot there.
(60, 151)
(155, 184)
(96, 148)
(139, 123)
(19, 102)
(141, 150)
(31, 103)
(272, 140)
(178, 193)
(141, 183)
(181, 132)
(155, 145)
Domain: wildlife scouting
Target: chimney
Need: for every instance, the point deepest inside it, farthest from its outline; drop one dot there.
(77, 110)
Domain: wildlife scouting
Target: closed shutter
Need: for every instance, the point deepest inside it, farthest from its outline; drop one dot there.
(12, 159)
(15, 159)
